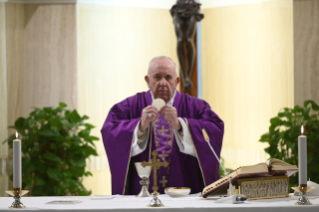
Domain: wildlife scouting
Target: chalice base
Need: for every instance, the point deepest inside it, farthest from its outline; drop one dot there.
(144, 192)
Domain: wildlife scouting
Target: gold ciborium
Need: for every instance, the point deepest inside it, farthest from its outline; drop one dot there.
(144, 173)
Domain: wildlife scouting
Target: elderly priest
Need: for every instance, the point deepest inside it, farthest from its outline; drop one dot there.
(134, 128)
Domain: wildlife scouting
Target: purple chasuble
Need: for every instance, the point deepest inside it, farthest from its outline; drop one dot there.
(184, 170)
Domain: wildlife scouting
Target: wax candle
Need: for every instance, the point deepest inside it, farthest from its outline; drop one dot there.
(302, 158)
(17, 179)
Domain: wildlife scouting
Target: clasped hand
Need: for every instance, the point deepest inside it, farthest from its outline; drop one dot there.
(168, 112)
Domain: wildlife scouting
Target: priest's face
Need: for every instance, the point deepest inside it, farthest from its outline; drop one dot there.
(162, 79)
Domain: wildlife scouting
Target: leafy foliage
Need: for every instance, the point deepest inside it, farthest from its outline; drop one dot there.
(221, 170)
(283, 137)
(55, 145)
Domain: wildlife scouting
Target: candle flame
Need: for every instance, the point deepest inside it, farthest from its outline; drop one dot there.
(302, 129)
(17, 134)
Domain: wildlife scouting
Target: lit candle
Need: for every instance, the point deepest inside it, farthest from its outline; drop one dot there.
(302, 158)
(17, 179)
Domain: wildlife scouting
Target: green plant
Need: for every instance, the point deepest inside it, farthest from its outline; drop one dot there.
(221, 170)
(283, 137)
(55, 145)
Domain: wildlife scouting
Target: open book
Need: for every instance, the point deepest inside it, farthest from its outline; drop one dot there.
(273, 167)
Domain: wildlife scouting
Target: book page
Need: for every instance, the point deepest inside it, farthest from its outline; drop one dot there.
(277, 164)
(275, 161)
(260, 167)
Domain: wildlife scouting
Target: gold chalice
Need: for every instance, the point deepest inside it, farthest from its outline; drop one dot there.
(144, 173)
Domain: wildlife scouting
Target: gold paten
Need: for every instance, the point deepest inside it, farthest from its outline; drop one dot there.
(176, 188)
(177, 191)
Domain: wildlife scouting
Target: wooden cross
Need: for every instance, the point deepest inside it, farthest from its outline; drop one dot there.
(163, 181)
(163, 155)
(155, 164)
(163, 130)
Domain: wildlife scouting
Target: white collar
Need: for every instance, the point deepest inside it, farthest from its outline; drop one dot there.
(170, 102)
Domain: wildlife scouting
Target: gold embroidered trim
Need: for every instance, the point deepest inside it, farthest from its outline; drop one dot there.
(150, 145)
(129, 161)
(195, 152)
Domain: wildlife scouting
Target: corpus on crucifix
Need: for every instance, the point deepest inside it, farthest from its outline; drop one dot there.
(185, 15)
(155, 164)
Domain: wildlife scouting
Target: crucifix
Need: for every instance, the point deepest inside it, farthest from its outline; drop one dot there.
(155, 164)
(185, 14)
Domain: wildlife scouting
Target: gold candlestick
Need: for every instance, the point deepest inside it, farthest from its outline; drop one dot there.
(303, 200)
(17, 193)
(155, 164)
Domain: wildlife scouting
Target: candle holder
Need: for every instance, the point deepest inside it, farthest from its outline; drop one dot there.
(155, 202)
(17, 193)
(303, 200)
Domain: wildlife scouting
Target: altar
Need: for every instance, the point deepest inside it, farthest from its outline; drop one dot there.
(131, 204)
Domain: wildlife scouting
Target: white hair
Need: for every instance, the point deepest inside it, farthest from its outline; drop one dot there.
(161, 57)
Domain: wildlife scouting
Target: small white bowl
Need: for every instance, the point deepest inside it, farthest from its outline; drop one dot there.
(177, 191)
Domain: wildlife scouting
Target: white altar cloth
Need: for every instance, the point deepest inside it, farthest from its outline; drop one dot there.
(121, 203)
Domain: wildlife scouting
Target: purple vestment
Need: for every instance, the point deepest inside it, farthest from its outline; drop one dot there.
(184, 170)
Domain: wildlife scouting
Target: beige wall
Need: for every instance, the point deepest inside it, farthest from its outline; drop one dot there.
(306, 50)
(247, 72)
(3, 103)
(41, 57)
(50, 55)
(15, 61)
(115, 45)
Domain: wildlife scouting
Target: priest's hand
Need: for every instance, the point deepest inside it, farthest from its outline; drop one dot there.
(170, 115)
(149, 114)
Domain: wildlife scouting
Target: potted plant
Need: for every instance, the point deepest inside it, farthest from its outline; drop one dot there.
(55, 145)
(283, 137)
